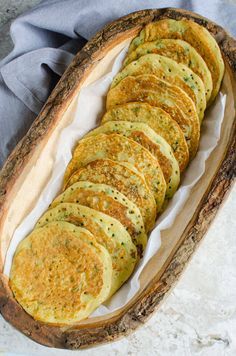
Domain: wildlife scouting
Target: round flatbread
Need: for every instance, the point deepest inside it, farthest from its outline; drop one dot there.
(124, 178)
(109, 201)
(60, 274)
(196, 35)
(158, 120)
(181, 52)
(153, 142)
(121, 149)
(107, 231)
(172, 72)
(156, 92)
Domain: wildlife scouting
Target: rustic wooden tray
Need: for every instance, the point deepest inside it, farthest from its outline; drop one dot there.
(29, 166)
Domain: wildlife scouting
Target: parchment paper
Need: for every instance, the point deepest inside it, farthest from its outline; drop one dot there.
(90, 106)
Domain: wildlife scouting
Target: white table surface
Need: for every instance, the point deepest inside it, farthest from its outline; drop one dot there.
(199, 316)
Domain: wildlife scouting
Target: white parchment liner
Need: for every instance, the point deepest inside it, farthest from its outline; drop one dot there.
(90, 105)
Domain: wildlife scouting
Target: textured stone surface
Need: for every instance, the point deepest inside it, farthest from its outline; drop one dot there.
(198, 318)
(9, 10)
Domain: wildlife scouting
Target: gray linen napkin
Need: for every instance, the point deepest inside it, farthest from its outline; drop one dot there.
(45, 41)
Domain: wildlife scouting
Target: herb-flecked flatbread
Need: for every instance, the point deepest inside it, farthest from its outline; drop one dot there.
(60, 274)
(181, 52)
(124, 178)
(107, 231)
(121, 149)
(153, 142)
(109, 201)
(196, 35)
(148, 88)
(158, 120)
(174, 73)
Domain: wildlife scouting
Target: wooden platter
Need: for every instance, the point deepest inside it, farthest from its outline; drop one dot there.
(27, 170)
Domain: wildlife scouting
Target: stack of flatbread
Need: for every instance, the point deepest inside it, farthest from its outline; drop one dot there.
(121, 176)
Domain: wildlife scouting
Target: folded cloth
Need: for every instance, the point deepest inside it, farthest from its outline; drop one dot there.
(47, 37)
